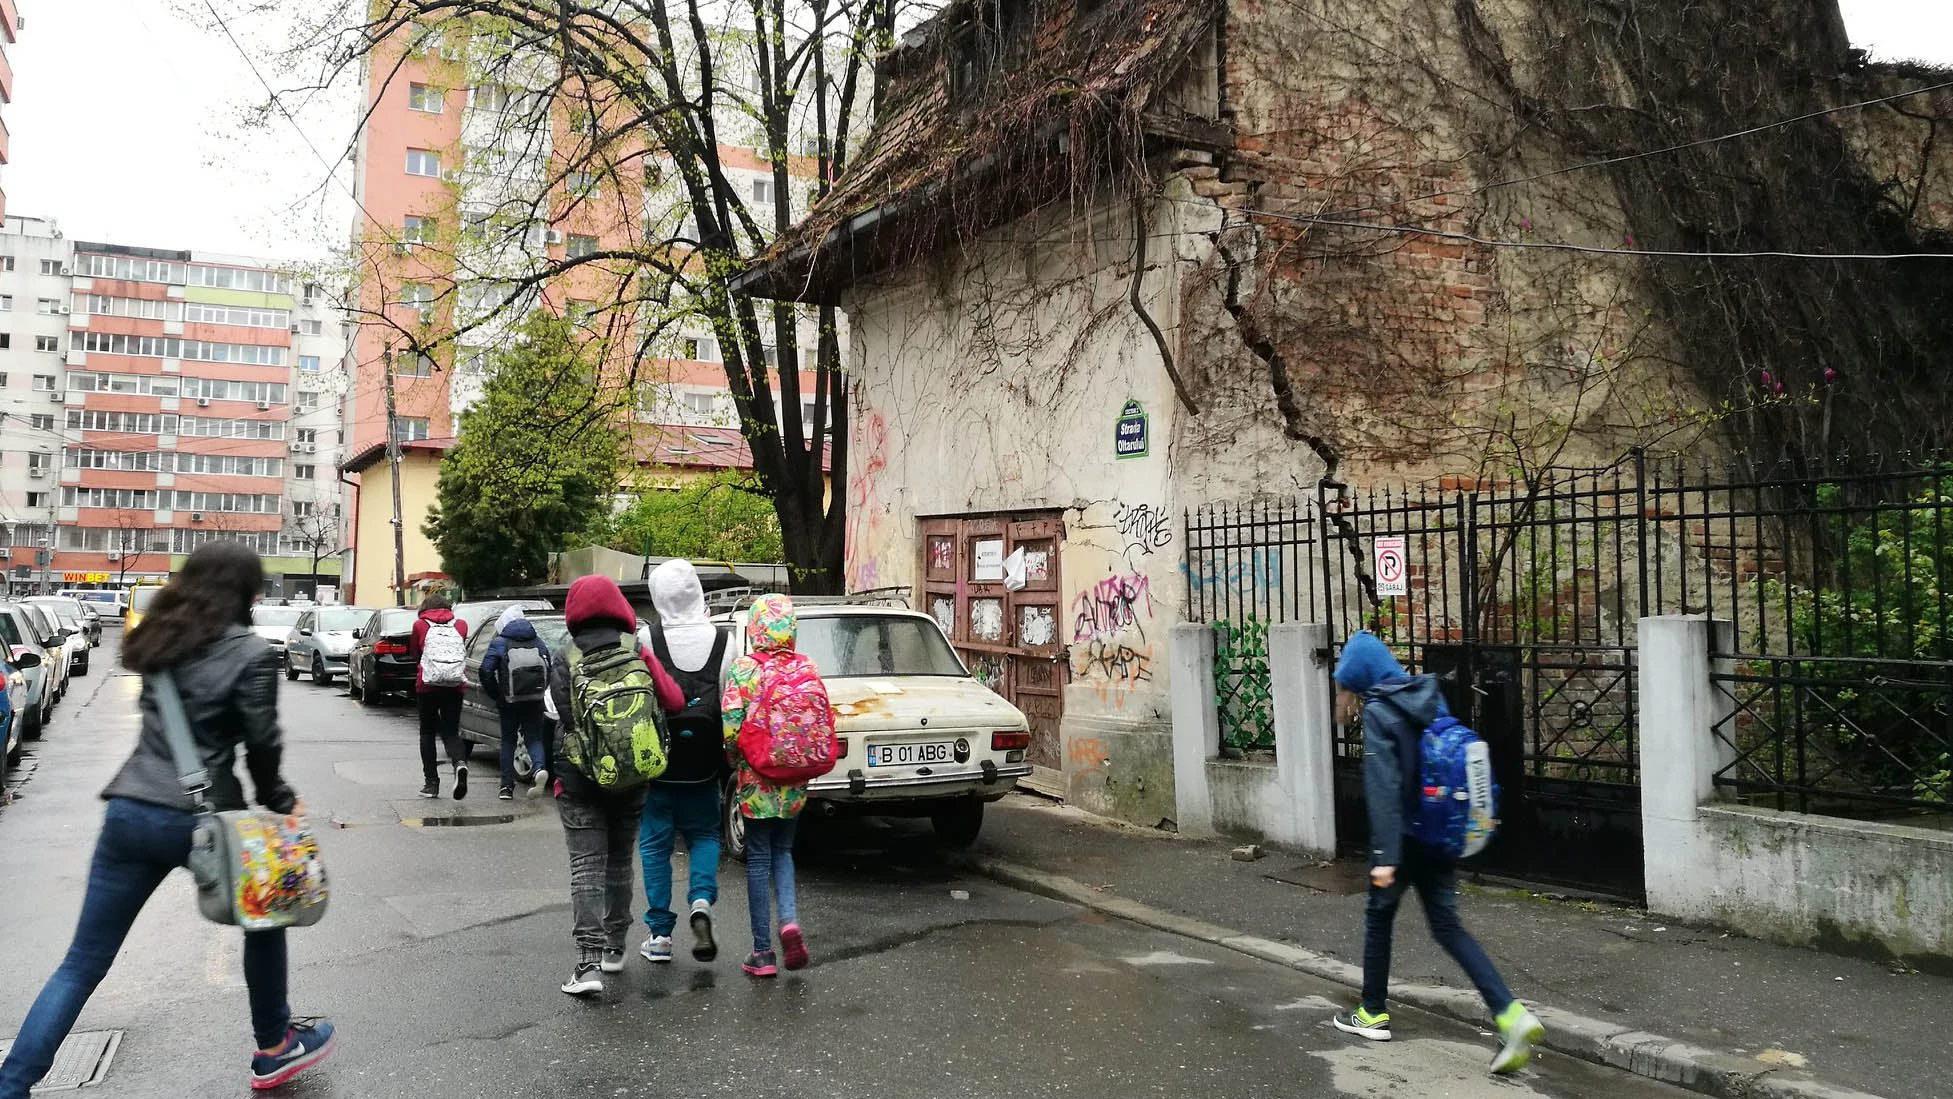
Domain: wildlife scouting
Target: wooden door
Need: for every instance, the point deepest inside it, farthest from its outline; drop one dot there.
(1010, 639)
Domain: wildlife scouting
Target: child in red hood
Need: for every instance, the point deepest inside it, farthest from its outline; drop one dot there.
(599, 825)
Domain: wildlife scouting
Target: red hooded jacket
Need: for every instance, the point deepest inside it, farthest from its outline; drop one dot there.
(419, 640)
(597, 601)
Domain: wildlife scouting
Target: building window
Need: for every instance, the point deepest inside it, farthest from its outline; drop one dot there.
(488, 97)
(47, 343)
(413, 364)
(308, 364)
(36, 500)
(46, 383)
(580, 311)
(6, 340)
(304, 473)
(410, 428)
(417, 230)
(308, 435)
(304, 509)
(421, 162)
(417, 296)
(244, 316)
(41, 422)
(48, 267)
(6, 263)
(579, 183)
(308, 401)
(704, 404)
(6, 303)
(579, 246)
(312, 328)
(420, 97)
(763, 191)
(703, 349)
(47, 306)
(38, 462)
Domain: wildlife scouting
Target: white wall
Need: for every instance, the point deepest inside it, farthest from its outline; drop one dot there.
(30, 241)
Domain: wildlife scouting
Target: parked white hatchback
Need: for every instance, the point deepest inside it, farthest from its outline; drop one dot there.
(920, 736)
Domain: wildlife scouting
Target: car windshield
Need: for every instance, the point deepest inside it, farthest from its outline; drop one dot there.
(139, 598)
(275, 616)
(343, 619)
(552, 632)
(9, 629)
(845, 645)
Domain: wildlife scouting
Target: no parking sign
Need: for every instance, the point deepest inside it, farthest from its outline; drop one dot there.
(1390, 570)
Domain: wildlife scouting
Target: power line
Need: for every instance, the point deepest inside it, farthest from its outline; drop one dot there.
(1559, 246)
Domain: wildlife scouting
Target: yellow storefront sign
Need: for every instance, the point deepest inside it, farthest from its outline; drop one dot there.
(84, 577)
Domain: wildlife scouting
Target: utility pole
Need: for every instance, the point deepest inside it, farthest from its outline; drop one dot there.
(53, 514)
(393, 468)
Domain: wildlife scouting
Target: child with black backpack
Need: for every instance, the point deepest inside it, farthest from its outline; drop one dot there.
(611, 696)
(515, 673)
(779, 732)
(1397, 710)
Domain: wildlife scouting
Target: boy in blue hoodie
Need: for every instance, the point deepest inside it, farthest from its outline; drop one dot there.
(520, 704)
(1397, 708)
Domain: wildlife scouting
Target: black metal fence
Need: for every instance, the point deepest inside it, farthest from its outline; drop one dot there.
(1524, 595)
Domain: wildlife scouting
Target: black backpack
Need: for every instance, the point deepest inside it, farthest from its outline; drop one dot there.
(697, 735)
(525, 672)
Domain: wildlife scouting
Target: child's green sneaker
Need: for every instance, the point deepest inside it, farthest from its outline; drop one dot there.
(1519, 1031)
(1360, 1022)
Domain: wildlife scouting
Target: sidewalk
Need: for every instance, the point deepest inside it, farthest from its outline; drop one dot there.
(1755, 1013)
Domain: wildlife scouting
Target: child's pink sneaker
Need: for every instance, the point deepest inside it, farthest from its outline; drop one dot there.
(794, 946)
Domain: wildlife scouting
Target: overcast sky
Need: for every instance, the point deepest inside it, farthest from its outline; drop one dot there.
(125, 126)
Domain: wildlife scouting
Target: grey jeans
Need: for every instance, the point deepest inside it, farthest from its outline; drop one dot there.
(602, 835)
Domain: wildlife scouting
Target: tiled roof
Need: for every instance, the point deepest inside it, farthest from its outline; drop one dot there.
(681, 446)
(935, 168)
(365, 459)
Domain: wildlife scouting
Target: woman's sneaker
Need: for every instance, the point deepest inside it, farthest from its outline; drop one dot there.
(793, 946)
(759, 964)
(1363, 1024)
(306, 1044)
(430, 789)
(704, 948)
(588, 978)
(1519, 1032)
(657, 948)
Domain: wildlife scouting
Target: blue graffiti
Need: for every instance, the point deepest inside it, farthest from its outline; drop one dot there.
(1251, 575)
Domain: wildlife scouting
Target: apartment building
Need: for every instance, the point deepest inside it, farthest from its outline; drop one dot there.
(469, 177)
(10, 27)
(156, 399)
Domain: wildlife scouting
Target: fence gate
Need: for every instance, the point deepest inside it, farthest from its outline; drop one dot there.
(1523, 601)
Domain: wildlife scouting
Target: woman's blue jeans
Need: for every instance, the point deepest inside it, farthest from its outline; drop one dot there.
(139, 845)
(769, 875)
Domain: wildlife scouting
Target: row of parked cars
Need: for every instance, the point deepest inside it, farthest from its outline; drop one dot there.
(920, 735)
(45, 641)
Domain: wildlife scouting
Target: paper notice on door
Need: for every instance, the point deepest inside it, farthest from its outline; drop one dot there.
(987, 565)
(1014, 570)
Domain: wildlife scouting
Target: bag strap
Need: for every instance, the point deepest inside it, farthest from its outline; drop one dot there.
(190, 770)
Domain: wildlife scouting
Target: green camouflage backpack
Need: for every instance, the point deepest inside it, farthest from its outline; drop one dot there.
(617, 735)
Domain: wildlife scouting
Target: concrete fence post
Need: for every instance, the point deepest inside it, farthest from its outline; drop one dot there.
(1679, 707)
(1304, 704)
(1196, 724)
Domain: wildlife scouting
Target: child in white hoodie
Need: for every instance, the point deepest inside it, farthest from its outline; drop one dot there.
(685, 799)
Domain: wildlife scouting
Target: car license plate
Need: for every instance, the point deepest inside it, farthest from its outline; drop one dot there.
(910, 755)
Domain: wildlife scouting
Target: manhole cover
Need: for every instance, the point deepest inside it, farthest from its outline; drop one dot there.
(81, 1061)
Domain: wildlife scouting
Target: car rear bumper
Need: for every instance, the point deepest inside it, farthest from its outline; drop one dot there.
(857, 787)
(392, 679)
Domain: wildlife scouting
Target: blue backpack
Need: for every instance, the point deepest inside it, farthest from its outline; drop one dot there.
(1457, 807)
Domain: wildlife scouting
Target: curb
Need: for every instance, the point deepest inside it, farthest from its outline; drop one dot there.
(1616, 1045)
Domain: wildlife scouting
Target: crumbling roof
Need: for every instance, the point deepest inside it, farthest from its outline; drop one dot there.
(931, 169)
(682, 446)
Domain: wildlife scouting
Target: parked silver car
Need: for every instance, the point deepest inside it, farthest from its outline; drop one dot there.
(322, 640)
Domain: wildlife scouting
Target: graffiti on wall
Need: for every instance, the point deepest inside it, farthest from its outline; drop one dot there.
(1145, 528)
(1249, 576)
(1113, 605)
(1111, 668)
(869, 448)
(1087, 753)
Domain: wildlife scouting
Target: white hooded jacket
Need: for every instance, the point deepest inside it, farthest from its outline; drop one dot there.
(689, 633)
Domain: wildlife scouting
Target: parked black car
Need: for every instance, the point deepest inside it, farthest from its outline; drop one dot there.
(481, 720)
(378, 665)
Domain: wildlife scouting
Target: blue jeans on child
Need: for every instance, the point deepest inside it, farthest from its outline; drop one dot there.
(1436, 881)
(672, 809)
(524, 719)
(769, 875)
(139, 845)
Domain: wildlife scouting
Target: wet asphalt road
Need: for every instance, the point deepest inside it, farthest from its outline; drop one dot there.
(440, 958)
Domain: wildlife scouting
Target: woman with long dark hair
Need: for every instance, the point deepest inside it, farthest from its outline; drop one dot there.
(197, 628)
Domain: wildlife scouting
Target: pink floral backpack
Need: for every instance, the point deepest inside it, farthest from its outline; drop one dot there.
(787, 736)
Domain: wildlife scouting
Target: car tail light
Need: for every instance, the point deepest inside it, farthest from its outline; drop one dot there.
(1004, 742)
(390, 648)
(841, 751)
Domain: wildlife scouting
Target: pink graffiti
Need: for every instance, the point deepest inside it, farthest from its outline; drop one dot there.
(1114, 604)
(868, 450)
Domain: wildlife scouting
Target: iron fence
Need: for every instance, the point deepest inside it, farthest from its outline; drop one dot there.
(1523, 595)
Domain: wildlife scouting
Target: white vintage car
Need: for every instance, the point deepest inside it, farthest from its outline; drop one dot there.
(919, 735)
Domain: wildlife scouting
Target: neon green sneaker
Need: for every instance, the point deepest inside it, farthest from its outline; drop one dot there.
(1520, 1031)
(1360, 1022)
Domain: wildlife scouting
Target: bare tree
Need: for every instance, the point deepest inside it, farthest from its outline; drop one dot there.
(706, 128)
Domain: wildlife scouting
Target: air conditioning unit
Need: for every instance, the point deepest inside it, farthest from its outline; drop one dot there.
(264, 406)
(400, 248)
(552, 236)
(294, 330)
(304, 448)
(196, 517)
(67, 271)
(39, 473)
(57, 398)
(203, 402)
(114, 557)
(5, 553)
(66, 309)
